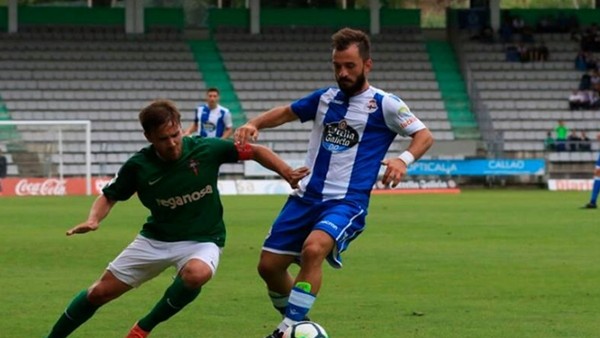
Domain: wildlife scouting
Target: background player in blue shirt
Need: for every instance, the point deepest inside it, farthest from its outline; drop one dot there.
(595, 188)
(354, 124)
(211, 119)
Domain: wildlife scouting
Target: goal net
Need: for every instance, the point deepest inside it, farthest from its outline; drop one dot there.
(46, 157)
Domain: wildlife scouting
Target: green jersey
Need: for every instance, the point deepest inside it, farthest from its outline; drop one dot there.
(182, 195)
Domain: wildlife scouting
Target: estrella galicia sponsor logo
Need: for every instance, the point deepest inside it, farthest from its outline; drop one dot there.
(209, 126)
(339, 136)
(177, 201)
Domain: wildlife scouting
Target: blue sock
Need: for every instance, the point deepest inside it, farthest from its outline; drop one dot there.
(595, 190)
(299, 304)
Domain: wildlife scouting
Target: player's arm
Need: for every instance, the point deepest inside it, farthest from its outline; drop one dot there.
(268, 159)
(401, 120)
(227, 133)
(191, 129)
(421, 141)
(228, 121)
(269, 119)
(99, 210)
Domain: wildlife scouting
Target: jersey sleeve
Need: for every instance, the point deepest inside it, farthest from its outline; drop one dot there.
(399, 118)
(227, 119)
(224, 151)
(196, 120)
(123, 185)
(306, 107)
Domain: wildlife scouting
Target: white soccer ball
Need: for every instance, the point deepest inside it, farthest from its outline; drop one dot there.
(305, 330)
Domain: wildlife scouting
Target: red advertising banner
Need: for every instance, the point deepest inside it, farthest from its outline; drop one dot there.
(36, 186)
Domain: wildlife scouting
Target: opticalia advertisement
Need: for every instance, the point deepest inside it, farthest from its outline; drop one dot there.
(478, 167)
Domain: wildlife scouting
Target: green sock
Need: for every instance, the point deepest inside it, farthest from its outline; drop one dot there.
(77, 313)
(279, 301)
(175, 298)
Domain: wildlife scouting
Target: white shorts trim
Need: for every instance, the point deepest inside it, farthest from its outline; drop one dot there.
(145, 258)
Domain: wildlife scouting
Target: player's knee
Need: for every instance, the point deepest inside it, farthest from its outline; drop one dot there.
(266, 269)
(314, 252)
(100, 294)
(195, 278)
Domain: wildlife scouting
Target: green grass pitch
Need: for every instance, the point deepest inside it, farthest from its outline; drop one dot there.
(493, 263)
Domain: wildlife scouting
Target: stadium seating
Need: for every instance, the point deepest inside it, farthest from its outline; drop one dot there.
(105, 76)
(525, 100)
(98, 74)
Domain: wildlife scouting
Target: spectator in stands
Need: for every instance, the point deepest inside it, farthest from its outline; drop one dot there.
(175, 177)
(549, 144)
(524, 53)
(590, 61)
(594, 98)
(527, 34)
(486, 34)
(585, 83)
(211, 119)
(353, 126)
(546, 24)
(579, 99)
(595, 80)
(518, 24)
(3, 168)
(506, 31)
(581, 61)
(595, 187)
(573, 141)
(561, 132)
(512, 54)
(585, 144)
(542, 52)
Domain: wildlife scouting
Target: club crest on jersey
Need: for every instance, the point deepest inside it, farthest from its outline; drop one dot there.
(193, 164)
(339, 136)
(371, 105)
(209, 126)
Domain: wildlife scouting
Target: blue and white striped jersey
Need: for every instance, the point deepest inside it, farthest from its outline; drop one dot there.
(212, 123)
(349, 138)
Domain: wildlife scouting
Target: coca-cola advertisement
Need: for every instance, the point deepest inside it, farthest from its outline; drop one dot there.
(36, 186)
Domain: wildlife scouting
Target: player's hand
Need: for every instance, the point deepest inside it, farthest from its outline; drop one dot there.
(245, 133)
(296, 175)
(82, 228)
(394, 172)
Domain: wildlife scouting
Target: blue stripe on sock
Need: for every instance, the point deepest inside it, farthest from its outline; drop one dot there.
(299, 304)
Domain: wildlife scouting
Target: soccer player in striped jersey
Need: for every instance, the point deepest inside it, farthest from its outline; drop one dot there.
(353, 126)
(592, 204)
(176, 179)
(211, 119)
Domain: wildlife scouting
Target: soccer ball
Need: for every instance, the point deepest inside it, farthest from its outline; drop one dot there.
(305, 330)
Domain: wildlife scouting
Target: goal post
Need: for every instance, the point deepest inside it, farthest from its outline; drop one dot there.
(52, 149)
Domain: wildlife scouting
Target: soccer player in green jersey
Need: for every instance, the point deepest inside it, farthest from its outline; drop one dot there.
(176, 179)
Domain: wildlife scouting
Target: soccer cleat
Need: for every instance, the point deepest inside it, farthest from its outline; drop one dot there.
(275, 334)
(137, 332)
(590, 206)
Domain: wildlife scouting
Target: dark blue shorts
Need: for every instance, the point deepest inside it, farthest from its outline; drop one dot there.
(342, 220)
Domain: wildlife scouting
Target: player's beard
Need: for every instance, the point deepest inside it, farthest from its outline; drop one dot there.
(352, 88)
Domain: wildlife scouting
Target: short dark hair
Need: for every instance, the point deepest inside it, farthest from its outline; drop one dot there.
(345, 37)
(159, 113)
(213, 89)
